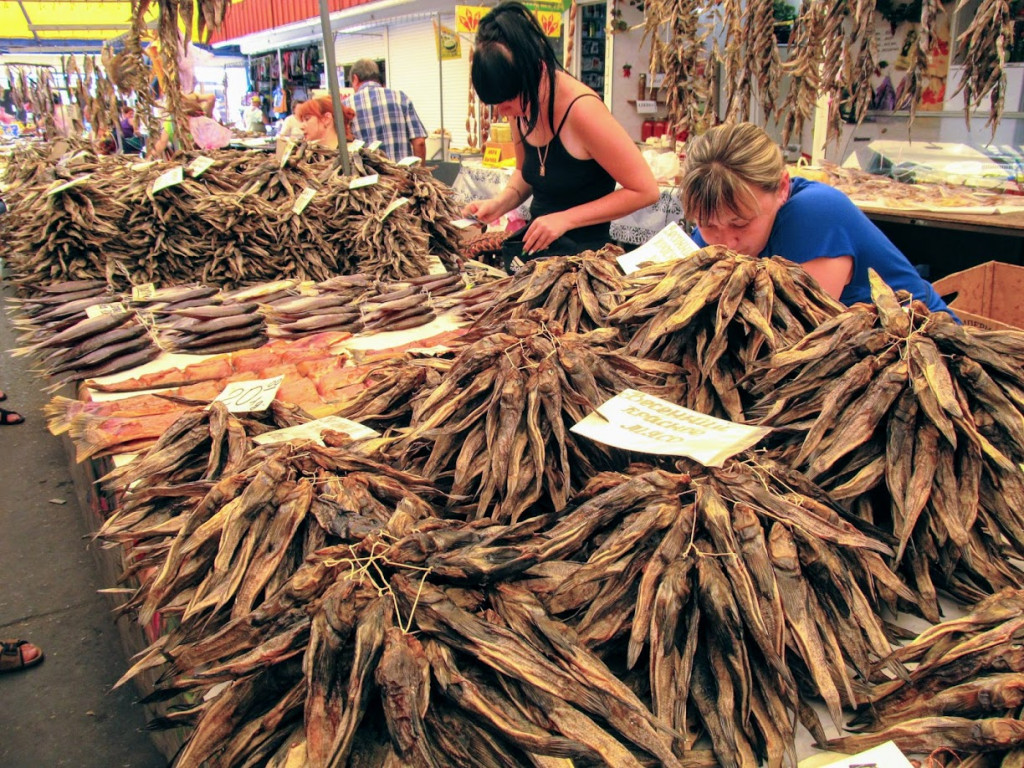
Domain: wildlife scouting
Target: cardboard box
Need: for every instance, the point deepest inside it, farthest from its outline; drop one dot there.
(986, 296)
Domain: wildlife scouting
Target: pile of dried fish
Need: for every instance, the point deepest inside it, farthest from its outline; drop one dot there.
(496, 429)
(731, 593)
(389, 391)
(71, 344)
(241, 221)
(577, 292)
(962, 702)
(715, 314)
(917, 424)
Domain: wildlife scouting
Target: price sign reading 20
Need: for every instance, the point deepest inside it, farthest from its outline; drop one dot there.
(249, 396)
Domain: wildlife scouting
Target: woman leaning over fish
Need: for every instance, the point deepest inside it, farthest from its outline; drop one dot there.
(738, 191)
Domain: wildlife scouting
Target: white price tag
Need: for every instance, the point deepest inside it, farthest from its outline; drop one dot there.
(248, 396)
(394, 206)
(635, 421)
(656, 80)
(435, 266)
(364, 181)
(374, 145)
(646, 106)
(303, 199)
(668, 245)
(312, 430)
(70, 184)
(96, 310)
(143, 292)
(410, 160)
(355, 146)
(200, 164)
(169, 179)
(467, 222)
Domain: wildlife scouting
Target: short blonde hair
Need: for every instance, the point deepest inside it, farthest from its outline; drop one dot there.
(723, 165)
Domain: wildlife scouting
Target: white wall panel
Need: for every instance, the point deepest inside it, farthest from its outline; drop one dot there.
(410, 51)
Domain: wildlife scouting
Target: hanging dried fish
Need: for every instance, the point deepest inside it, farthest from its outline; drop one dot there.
(986, 44)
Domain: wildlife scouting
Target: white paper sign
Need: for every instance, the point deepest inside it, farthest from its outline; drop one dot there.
(646, 106)
(656, 80)
(467, 222)
(410, 160)
(373, 145)
(143, 292)
(169, 179)
(355, 146)
(435, 266)
(668, 245)
(312, 430)
(70, 184)
(303, 200)
(200, 164)
(395, 205)
(248, 396)
(115, 308)
(364, 181)
(886, 755)
(635, 421)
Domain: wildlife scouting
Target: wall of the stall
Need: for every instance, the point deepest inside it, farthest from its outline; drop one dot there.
(438, 89)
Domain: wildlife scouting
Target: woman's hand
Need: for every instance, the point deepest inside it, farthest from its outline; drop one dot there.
(488, 211)
(544, 230)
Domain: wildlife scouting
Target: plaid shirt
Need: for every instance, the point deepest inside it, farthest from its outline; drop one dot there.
(388, 116)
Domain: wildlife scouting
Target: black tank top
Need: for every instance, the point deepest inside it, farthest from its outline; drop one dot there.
(566, 183)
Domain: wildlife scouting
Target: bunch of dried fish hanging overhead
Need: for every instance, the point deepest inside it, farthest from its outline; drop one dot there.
(496, 429)
(240, 221)
(715, 314)
(917, 424)
(961, 704)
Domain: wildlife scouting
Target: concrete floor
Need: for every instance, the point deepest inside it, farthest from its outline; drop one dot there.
(62, 712)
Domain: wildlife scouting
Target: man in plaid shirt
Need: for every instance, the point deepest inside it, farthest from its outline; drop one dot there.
(384, 114)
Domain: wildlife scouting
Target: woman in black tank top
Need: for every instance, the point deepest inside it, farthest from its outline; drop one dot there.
(571, 154)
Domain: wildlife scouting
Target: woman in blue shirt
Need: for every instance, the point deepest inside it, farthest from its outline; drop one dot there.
(738, 191)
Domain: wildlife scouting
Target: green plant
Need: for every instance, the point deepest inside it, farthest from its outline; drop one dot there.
(783, 11)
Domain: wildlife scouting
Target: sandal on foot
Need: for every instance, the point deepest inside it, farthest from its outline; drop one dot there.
(10, 418)
(3, 395)
(16, 655)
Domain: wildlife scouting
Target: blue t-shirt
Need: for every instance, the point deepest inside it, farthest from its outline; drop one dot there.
(820, 221)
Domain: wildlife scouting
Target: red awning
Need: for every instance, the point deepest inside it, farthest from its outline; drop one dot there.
(249, 16)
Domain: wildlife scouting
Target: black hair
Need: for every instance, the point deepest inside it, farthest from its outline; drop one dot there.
(510, 57)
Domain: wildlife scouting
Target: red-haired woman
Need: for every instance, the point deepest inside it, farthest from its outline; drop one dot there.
(317, 119)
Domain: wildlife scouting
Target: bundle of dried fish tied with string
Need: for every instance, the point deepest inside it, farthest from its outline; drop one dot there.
(715, 314)
(240, 221)
(916, 424)
(962, 704)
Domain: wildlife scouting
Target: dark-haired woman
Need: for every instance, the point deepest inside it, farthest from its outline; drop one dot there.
(570, 152)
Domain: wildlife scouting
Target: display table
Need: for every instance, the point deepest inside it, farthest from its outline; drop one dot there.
(476, 182)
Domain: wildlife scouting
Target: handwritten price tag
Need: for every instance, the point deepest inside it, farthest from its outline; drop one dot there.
(143, 292)
(312, 430)
(395, 205)
(646, 106)
(364, 181)
(70, 184)
(410, 160)
(303, 200)
(96, 310)
(492, 155)
(355, 146)
(169, 179)
(200, 164)
(374, 145)
(248, 396)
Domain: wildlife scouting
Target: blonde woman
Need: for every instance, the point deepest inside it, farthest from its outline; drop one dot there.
(737, 190)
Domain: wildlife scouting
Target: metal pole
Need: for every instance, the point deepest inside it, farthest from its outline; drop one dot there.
(332, 83)
(440, 82)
